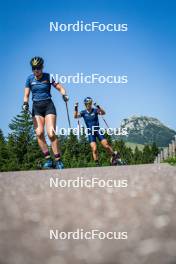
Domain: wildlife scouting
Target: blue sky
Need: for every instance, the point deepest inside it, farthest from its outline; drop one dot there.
(146, 53)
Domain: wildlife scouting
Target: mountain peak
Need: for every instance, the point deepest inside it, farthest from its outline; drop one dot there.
(146, 130)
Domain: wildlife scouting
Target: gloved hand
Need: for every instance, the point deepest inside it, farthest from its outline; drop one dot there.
(97, 106)
(25, 106)
(76, 107)
(65, 97)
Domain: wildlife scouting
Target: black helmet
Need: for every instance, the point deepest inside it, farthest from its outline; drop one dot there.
(37, 62)
(88, 100)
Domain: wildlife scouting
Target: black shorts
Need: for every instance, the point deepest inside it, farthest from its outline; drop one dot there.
(43, 108)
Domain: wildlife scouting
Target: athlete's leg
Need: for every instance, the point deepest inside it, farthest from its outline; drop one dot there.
(50, 121)
(114, 155)
(94, 150)
(39, 123)
(115, 158)
(107, 146)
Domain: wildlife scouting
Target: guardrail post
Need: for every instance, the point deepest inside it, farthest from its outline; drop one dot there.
(162, 155)
(167, 152)
(170, 150)
(159, 158)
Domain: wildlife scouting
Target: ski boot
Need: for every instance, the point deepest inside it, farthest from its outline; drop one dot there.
(115, 159)
(97, 163)
(59, 165)
(48, 164)
(121, 162)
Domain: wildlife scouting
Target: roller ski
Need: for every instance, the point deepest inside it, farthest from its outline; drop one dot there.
(116, 160)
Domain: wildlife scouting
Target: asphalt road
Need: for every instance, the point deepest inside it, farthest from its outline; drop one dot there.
(143, 213)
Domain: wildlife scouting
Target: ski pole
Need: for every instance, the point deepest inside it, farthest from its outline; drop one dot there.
(76, 110)
(102, 117)
(27, 110)
(30, 112)
(79, 127)
(105, 122)
(68, 117)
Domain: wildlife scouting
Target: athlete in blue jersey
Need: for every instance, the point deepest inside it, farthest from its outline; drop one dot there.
(43, 110)
(90, 116)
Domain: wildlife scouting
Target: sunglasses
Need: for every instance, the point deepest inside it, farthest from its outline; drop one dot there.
(36, 68)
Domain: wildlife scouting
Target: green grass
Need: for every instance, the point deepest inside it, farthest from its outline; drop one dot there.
(133, 145)
(171, 161)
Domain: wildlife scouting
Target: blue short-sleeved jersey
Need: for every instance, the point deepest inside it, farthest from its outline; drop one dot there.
(90, 118)
(41, 89)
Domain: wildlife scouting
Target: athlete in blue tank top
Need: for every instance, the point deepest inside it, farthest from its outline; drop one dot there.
(40, 88)
(43, 110)
(90, 116)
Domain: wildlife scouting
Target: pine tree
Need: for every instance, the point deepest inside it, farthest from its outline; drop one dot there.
(147, 155)
(85, 156)
(3, 153)
(22, 145)
(104, 156)
(128, 156)
(155, 151)
(137, 159)
(71, 153)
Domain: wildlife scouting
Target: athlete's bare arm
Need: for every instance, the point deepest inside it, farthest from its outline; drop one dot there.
(26, 94)
(101, 111)
(76, 113)
(60, 88)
